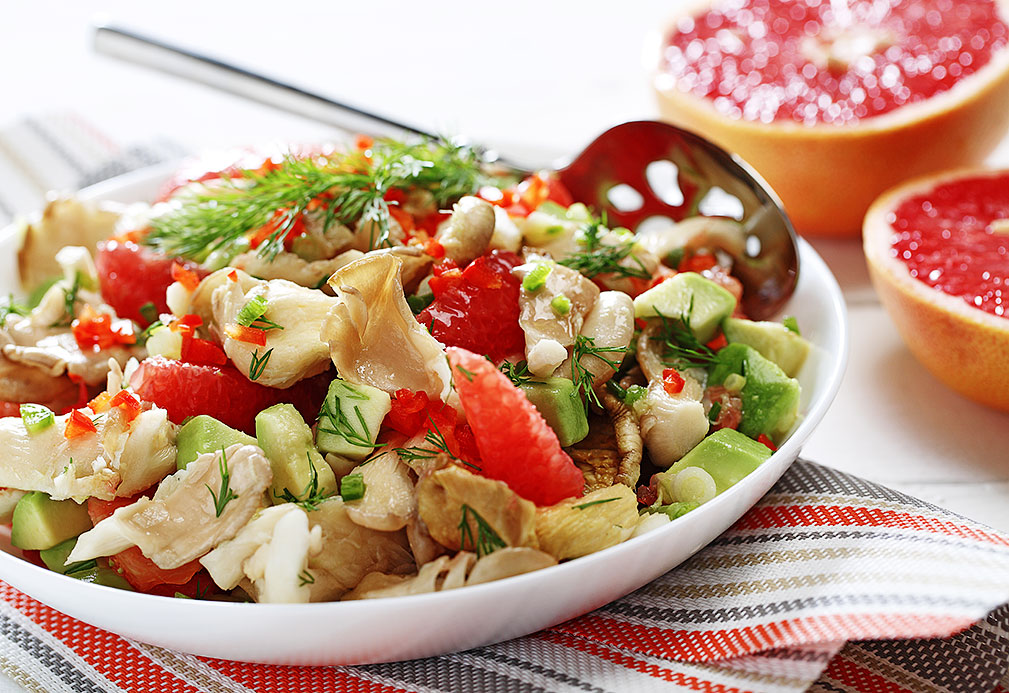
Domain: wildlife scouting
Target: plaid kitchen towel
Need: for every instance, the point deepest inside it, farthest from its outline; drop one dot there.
(808, 591)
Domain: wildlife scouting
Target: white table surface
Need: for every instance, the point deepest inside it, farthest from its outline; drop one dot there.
(546, 75)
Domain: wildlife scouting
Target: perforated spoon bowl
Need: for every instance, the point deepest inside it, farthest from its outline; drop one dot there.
(619, 173)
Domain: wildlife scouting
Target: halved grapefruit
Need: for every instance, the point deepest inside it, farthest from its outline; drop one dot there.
(938, 253)
(833, 103)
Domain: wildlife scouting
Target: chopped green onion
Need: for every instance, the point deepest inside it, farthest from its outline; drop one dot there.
(149, 312)
(734, 383)
(352, 487)
(37, 418)
(792, 324)
(252, 311)
(595, 502)
(715, 410)
(634, 393)
(674, 257)
(672, 510)
(537, 277)
(561, 304)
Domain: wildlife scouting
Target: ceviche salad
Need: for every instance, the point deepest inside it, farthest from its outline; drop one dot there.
(370, 371)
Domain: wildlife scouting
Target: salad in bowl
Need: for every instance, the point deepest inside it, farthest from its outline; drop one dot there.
(376, 371)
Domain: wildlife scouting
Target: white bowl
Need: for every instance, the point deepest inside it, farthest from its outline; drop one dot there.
(401, 628)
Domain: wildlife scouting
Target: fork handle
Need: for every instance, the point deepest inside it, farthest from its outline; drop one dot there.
(144, 50)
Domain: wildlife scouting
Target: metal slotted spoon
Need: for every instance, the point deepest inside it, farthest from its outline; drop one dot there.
(634, 172)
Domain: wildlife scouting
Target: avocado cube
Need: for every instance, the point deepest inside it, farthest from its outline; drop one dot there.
(728, 360)
(772, 339)
(350, 419)
(41, 523)
(96, 571)
(700, 303)
(298, 468)
(726, 455)
(558, 401)
(203, 434)
(770, 398)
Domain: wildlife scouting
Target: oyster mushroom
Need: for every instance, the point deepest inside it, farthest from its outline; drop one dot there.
(185, 519)
(351, 551)
(121, 458)
(580, 526)
(611, 453)
(443, 573)
(507, 562)
(388, 502)
(458, 507)
(469, 230)
(293, 268)
(271, 552)
(373, 336)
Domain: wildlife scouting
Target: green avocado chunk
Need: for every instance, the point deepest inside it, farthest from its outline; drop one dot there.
(688, 296)
(350, 419)
(726, 455)
(203, 434)
(97, 571)
(772, 339)
(558, 401)
(298, 468)
(41, 523)
(770, 398)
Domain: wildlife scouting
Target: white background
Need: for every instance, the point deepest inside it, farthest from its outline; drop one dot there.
(526, 76)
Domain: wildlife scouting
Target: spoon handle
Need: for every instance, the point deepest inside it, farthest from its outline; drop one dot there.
(144, 50)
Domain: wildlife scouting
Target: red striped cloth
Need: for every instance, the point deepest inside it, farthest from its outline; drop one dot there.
(824, 559)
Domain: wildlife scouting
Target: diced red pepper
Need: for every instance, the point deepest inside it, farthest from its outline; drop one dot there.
(718, 342)
(128, 403)
(186, 277)
(698, 263)
(93, 331)
(672, 381)
(403, 218)
(233, 275)
(249, 335)
(79, 425)
(364, 142)
(203, 352)
(434, 249)
(186, 324)
(762, 438)
(297, 228)
(101, 403)
(540, 187)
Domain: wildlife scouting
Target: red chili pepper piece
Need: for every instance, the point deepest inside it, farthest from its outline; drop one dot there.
(718, 342)
(93, 331)
(186, 277)
(672, 381)
(79, 425)
(762, 438)
(245, 334)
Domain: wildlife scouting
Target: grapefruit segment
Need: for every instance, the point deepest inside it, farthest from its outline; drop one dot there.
(832, 107)
(516, 444)
(940, 264)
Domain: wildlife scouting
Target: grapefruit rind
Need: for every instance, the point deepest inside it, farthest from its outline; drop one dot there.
(826, 175)
(964, 347)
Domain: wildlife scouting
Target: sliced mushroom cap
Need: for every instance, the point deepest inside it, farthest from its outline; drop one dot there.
(190, 513)
(611, 453)
(373, 336)
(443, 494)
(294, 268)
(97, 465)
(580, 526)
(469, 230)
(20, 384)
(416, 264)
(508, 562)
(350, 551)
(64, 221)
(440, 574)
(388, 502)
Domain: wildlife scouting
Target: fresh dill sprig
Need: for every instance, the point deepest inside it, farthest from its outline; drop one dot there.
(518, 373)
(11, 307)
(226, 495)
(598, 257)
(680, 346)
(439, 446)
(258, 364)
(582, 506)
(305, 578)
(343, 188)
(70, 299)
(487, 541)
(312, 496)
(332, 419)
(583, 378)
